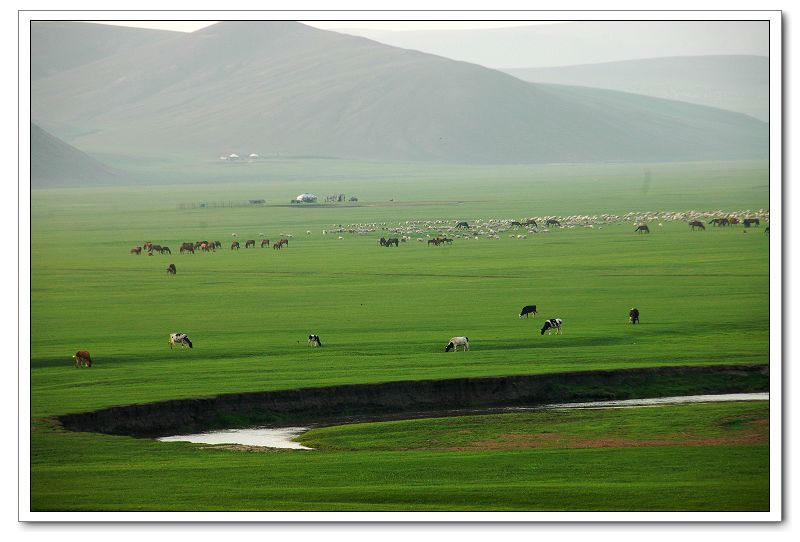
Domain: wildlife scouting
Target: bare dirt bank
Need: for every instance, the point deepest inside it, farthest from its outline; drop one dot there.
(391, 398)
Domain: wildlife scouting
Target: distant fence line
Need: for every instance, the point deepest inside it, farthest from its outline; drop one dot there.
(229, 203)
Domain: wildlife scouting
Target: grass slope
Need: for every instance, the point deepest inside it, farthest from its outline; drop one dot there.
(385, 314)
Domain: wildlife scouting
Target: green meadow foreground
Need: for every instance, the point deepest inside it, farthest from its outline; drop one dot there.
(385, 314)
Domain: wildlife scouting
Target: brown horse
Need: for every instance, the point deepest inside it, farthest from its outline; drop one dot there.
(235, 245)
(136, 250)
(250, 243)
(82, 359)
(264, 243)
(187, 247)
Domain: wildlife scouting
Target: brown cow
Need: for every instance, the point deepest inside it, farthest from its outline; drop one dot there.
(82, 359)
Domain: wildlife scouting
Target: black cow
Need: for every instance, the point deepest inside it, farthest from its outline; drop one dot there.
(551, 324)
(526, 310)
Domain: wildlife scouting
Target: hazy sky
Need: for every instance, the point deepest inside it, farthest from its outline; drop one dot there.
(190, 26)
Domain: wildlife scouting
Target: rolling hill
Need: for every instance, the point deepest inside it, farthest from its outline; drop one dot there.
(62, 45)
(735, 83)
(581, 42)
(55, 163)
(289, 88)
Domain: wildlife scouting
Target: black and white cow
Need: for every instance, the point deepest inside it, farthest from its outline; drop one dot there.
(455, 342)
(526, 310)
(313, 340)
(551, 324)
(179, 338)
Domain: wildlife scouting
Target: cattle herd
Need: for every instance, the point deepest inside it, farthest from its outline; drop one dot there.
(421, 230)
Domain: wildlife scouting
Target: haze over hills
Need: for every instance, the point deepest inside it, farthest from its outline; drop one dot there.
(288, 88)
(55, 163)
(581, 42)
(61, 45)
(735, 83)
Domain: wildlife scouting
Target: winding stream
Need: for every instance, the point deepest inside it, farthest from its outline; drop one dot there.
(281, 437)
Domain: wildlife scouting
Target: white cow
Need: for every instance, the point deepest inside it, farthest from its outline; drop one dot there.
(455, 342)
(179, 338)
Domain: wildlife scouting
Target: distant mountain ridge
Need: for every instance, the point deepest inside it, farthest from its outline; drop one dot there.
(57, 46)
(55, 163)
(293, 89)
(736, 83)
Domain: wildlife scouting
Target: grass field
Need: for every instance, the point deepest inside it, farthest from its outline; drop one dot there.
(385, 314)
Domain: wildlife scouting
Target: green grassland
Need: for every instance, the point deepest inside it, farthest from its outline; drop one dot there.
(384, 314)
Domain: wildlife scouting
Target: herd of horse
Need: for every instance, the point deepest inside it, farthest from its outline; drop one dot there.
(717, 222)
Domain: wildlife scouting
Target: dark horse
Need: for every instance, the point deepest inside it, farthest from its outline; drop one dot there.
(750, 221)
(634, 316)
(642, 229)
(187, 247)
(171, 269)
(393, 241)
(697, 224)
(235, 245)
(250, 243)
(462, 225)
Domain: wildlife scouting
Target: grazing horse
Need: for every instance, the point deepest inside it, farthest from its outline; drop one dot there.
(250, 243)
(382, 241)
(179, 338)
(235, 245)
(514, 224)
(277, 245)
(720, 222)
(137, 251)
(455, 342)
(531, 222)
(552, 222)
(148, 245)
(155, 248)
(434, 241)
(526, 310)
(766, 230)
(171, 269)
(82, 359)
(313, 340)
(697, 224)
(733, 221)
(165, 250)
(187, 247)
(750, 221)
(642, 229)
(633, 316)
(551, 324)
(264, 243)
(393, 241)
(462, 225)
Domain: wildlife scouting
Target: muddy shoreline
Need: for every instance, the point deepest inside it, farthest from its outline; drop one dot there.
(390, 399)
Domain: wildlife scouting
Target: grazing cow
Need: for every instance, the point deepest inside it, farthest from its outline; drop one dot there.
(187, 247)
(250, 243)
(462, 225)
(235, 245)
(526, 310)
(165, 250)
(313, 340)
(171, 269)
(137, 251)
(552, 222)
(179, 338)
(697, 224)
(551, 324)
(455, 342)
(264, 243)
(642, 229)
(633, 316)
(82, 359)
